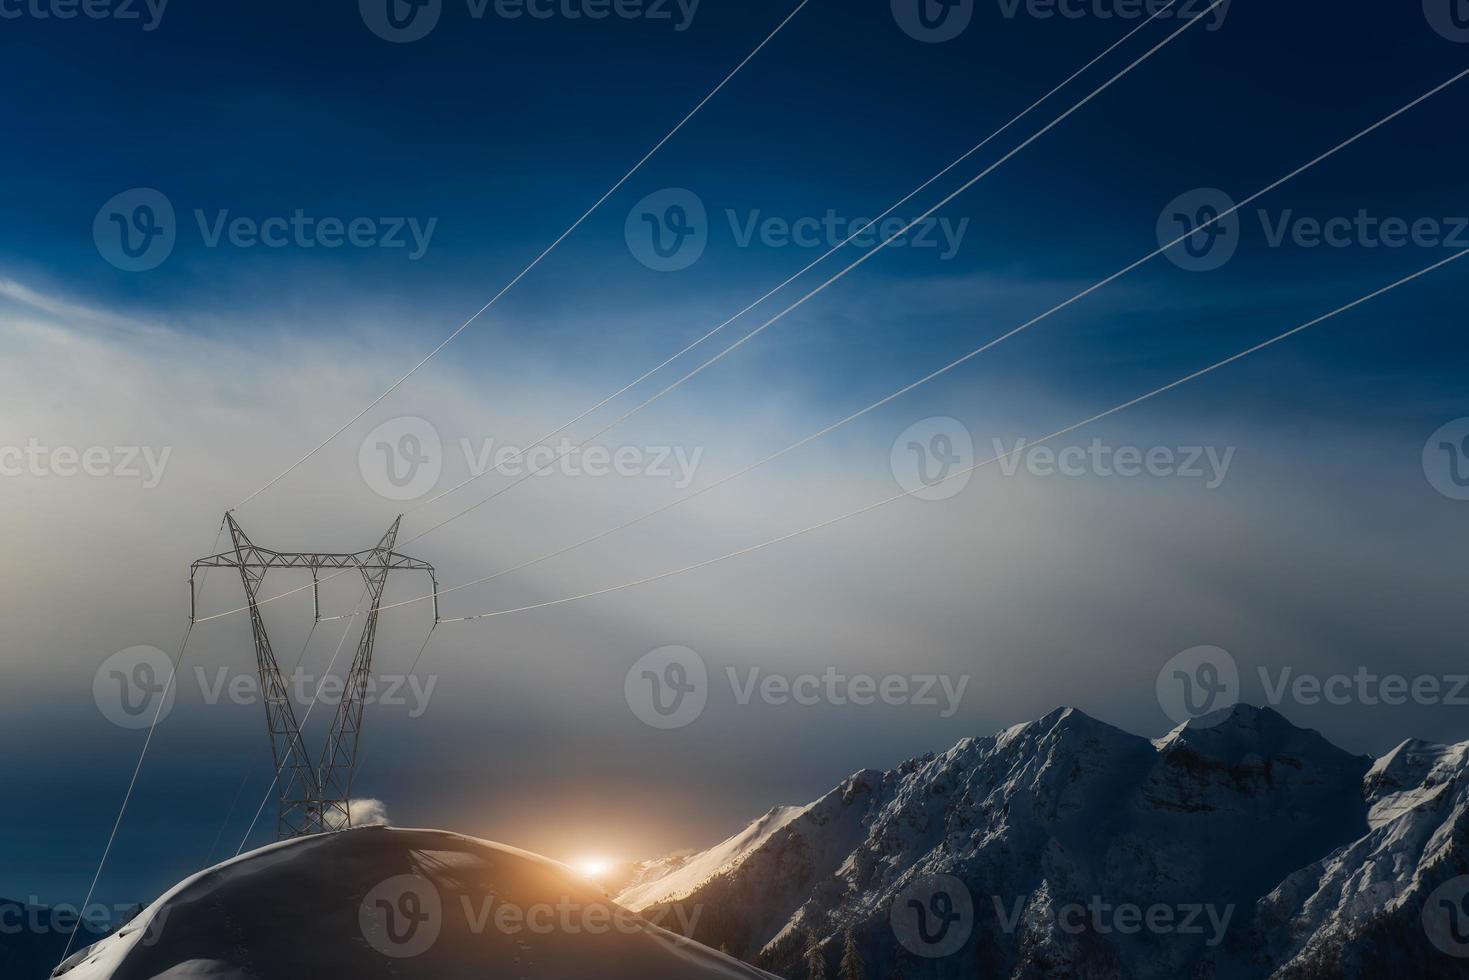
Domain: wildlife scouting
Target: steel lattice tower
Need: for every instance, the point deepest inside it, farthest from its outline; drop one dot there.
(312, 798)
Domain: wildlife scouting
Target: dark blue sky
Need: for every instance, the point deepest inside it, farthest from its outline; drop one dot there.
(504, 131)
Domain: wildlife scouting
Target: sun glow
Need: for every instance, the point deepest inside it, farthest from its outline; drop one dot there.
(592, 867)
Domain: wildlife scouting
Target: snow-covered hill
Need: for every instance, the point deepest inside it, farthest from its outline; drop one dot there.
(384, 903)
(1236, 846)
(658, 885)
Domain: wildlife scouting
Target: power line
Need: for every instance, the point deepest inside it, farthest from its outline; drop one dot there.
(739, 343)
(814, 263)
(969, 469)
(865, 257)
(177, 663)
(535, 262)
(954, 363)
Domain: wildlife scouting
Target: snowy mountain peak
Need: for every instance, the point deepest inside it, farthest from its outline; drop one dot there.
(1226, 813)
(1245, 734)
(1412, 775)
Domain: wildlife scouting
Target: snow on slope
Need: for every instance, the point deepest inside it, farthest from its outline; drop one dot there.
(1287, 846)
(1364, 910)
(699, 868)
(378, 903)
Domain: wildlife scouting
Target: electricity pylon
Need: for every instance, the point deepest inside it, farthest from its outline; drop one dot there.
(312, 798)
